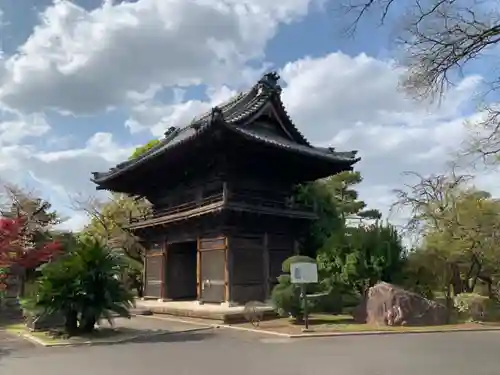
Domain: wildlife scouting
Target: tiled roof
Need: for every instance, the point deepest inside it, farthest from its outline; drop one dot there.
(235, 114)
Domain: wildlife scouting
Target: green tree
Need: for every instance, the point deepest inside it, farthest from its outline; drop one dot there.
(317, 194)
(359, 257)
(144, 148)
(458, 227)
(108, 224)
(344, 197)
(337, 205)
(84, 286)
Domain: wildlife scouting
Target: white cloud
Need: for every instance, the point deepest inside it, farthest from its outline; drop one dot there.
(157, 117)
(78, 62)
(84, 61)
(22, 127)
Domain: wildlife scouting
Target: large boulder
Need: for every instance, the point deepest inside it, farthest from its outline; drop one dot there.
(390, 305)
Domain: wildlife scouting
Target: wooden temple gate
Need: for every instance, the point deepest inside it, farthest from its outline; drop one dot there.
(236, 268)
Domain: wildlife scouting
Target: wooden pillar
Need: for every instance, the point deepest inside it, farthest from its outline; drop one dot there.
(144, 271)
(265, 254)
(163, 273)
(296, 248)
(198, 269)
(226, 270)
(224, 192)
(164, 276)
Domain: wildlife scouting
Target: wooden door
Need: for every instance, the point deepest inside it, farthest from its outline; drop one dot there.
(212, 270)
(154, 275)
(154, 279)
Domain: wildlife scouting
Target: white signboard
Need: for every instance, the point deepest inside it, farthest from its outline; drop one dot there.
(304, 273)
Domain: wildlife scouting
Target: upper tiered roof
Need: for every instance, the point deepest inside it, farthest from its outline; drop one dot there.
(238, 116)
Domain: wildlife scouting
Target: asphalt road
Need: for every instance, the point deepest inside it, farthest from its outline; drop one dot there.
(227, 352)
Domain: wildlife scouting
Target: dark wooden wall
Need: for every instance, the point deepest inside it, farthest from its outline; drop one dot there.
(240, 254)
(255, 261)
(247, 267)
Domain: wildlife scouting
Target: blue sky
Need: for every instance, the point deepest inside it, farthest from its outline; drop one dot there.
(83, 82)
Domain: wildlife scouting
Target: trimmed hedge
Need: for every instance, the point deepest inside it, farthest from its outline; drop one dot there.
(476, 308)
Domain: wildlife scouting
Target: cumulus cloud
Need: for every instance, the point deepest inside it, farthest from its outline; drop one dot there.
(156, 117)
(78, 61)
(334, 101)
(83, 61)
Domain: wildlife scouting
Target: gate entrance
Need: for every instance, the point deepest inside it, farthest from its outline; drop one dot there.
(181, 271)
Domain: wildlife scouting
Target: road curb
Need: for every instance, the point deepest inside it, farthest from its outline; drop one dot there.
(381, 333)
(320, 334)
(122, 340)
(178, 320)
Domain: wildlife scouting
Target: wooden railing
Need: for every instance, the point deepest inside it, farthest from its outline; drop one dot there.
(228, 197)
(284, 204)
(188, 206)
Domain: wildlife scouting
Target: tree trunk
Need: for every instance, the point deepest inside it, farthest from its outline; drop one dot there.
(71, 322)
(87, 324)
(456, 280)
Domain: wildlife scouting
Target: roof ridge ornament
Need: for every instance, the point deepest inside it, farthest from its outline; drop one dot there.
(216, 115)
(169, 131)
(269, 81)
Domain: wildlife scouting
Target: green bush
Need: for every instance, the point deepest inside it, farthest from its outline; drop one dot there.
(286, 298)
(84, 286)
(474, 307)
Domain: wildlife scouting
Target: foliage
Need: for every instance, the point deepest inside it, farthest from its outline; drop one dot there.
(458, 227)
(422, 273)
(84, 286)
(475, 307)
(352, 249)
(345, 198)
(18, 253)
(144, 148)
(359, 257)
(337, 204)
(108, 222)
(317, 194)
(286, 298)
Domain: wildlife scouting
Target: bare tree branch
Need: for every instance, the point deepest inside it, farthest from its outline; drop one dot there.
(438, 40)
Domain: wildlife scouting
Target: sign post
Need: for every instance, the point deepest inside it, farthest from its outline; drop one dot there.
(302, 274)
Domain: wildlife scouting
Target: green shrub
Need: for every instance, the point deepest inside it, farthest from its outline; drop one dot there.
(83, 286)
(286, 298)
(330, 302)
(474, 307)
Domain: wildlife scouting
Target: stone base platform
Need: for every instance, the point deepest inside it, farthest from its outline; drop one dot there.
(193, 309)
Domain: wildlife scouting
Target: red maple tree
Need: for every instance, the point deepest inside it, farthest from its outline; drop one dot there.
(16, 249)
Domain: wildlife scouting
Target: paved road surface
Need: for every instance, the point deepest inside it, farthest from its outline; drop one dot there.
(225, 352)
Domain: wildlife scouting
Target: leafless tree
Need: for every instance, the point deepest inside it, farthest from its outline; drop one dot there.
(437, 40)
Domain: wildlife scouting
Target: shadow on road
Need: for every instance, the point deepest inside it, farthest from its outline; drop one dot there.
(4, 351)
(169, 337)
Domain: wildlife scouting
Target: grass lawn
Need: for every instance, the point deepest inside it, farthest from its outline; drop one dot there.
(96, 336)
(323, 323)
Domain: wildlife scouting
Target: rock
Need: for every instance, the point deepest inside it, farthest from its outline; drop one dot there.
(390, 305)
(44, 322)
